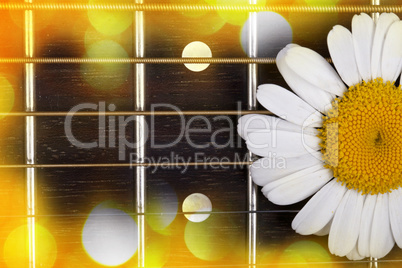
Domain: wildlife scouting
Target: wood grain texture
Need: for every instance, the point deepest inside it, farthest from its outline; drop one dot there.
(66, 196)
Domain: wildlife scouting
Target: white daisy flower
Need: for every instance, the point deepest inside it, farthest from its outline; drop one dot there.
(343, 145)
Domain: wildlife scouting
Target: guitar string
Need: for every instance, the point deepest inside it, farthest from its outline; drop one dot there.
(153, 7)
(117, 165)
(144, 60)
(145, 113)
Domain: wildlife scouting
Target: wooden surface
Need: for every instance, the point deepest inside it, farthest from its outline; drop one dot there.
(66, 196)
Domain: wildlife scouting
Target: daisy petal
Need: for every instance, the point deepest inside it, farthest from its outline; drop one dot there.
(313, 68)
(272, 185)
(391, 61)
(363, 32)
(297, 189)
(384, 22)
(320, 209)
(365, 225)
(354, 255)
(281, 143)
(381, 238)
(254, 122)
(288, 106)
(313, 95)
(345, 225)
(269, 169)
(325, 230)
(340, 46)
(395, 215)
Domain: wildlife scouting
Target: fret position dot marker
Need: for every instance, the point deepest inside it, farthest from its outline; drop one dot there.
(197, 203)
(196, 49)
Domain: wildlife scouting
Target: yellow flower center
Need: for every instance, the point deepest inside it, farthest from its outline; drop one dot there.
(362, 137)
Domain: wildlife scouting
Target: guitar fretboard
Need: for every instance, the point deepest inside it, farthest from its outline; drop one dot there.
(118, 138)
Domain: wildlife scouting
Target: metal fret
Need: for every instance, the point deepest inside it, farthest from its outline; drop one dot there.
(30, 134)
(252, 104)
(140, 131)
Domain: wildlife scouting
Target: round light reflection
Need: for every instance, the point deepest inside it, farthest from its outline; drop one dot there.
(109, 22)
(16, 251)
(92, 36)
(43, 18)
(236, 18)
(197, 203)
(105, 76)
(303, 253)
(110, 236)
(273, 34)
(158, 250)
(212, 239)
(197, 49)
(162, 207)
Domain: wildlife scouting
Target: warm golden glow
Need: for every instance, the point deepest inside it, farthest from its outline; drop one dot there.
(321, 2)
(16, 247)
(109, 22)
(235, 18)
(304, 254)
(7, 96)
(308, 28)
(158, 250)
(207, 241)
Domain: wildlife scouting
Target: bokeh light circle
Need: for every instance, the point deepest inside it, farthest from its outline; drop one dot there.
(7, 96)
(158, 250)
(197, 203)
(305, 252)
(273, 34)
(92, 36)
(235, 18)
(191, 24)
(162, 207)
(42, 19)
(212, 239)
(196, 49)
(16, 250)
(105, 76)
(110, 236)
(109, 22)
